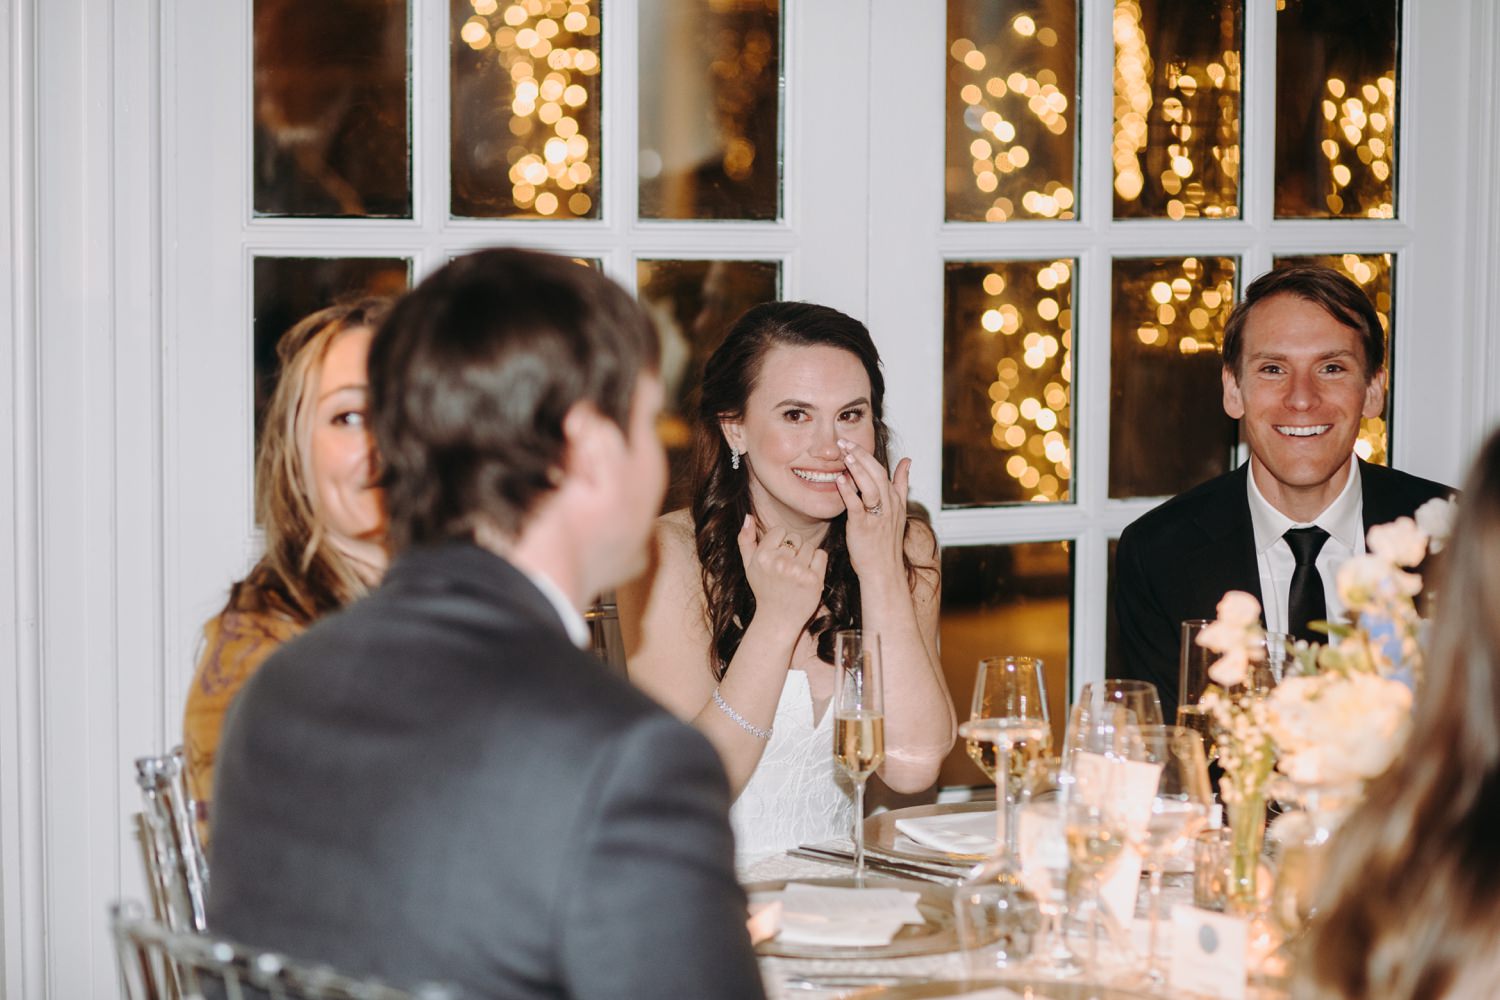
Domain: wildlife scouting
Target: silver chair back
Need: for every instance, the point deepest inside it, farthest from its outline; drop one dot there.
(604, 632)
(158, 963)
(176, 869)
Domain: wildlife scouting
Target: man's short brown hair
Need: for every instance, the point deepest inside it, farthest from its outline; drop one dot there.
(1336, 294)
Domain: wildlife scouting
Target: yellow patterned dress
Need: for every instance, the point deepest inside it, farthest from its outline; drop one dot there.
(235, 644)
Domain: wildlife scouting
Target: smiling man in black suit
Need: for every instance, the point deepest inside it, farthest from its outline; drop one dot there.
(438, 784)
(1304, 360)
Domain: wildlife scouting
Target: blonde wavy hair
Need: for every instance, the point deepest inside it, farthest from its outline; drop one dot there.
(302, 574)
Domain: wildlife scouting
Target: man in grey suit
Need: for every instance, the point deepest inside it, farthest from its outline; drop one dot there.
(438, 784)
(1304, 360)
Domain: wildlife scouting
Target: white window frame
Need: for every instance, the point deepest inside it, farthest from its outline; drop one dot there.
(910, 246)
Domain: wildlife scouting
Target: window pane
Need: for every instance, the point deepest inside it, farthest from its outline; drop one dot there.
(1007, 383)
(694, 303)
(1177, 108)
(1168, 429)
(332, 135)
(710, 109)
(1019, 596)
(1372, 272)
(1336, 109)
(525, 92)
(1012, 110)
(289, 288)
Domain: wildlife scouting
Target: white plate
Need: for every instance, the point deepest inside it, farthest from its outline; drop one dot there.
(935, 935)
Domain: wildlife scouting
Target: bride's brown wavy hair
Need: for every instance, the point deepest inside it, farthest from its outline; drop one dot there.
(721, 495)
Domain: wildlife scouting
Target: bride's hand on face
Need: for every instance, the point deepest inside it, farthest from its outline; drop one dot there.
(785, 576)
(876, 530)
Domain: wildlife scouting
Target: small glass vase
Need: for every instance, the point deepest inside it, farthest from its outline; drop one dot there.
(1247, 825)
(1301, 841)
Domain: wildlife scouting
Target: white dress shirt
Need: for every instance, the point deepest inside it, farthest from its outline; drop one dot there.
(1343, 520)
(573, 623)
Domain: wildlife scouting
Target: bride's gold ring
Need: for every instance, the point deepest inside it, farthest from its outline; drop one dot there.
(873, 510)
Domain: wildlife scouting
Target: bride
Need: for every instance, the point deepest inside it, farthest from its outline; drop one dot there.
(797, 529)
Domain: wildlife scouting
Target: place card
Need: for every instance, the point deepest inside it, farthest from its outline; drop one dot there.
(1209, 953)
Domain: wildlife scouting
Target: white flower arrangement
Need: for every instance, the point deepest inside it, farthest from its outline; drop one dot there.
(1343, 711)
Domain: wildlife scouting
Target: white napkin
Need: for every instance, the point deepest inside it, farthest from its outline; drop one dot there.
(955, 833)
(859, 918)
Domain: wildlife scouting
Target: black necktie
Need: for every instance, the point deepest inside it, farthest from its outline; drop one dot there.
(1305, 602)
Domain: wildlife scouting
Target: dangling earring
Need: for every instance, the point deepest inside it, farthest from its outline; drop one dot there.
(734, 458)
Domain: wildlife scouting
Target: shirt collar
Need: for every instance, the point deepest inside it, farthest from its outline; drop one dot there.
(573, 623)
(1341, 519)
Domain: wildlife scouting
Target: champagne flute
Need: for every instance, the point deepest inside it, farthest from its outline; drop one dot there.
(1192, 679)
(1179, 809)
(858, 723)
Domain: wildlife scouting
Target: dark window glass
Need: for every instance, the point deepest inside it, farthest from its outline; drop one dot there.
(1001, 600)
(525, 96)
(694, 303)
(710, 109)
(1336, 100)
(1007, 381)
(332, 122)
(1167, 426)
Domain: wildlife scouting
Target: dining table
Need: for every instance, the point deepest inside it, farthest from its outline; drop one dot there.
(929, 971)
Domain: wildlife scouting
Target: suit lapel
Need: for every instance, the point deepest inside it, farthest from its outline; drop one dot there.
(1226, 560)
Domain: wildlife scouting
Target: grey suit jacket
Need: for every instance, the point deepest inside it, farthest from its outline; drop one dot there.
(1175, 562)
(434, 785)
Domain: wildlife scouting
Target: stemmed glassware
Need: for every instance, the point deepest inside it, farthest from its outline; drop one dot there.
(1099, 740)
(1138, 698)
(858, 723)
(992, 906)
(1179, 809)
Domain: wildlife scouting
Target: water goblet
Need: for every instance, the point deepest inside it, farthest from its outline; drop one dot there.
(1138, 698)
(1179, 809)
(1094, 830)
(858, 723)
(993, 906)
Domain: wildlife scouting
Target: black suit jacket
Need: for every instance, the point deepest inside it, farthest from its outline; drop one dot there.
(435, 785)
(1177, 561)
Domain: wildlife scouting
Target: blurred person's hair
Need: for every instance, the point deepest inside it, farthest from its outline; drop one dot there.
(721, 495)
(472, 375)
(1334, 293)
(302, 574)
(1411, 901)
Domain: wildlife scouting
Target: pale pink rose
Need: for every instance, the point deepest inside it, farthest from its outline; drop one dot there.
(1338, 728)
(1360, 578)
(1435, 517)
(1221, 636)
(1231, 668)
(1400, 542)
(1238, 608)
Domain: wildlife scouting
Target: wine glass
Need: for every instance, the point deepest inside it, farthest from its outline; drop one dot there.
(992, 906)
(1094, 829)
(1044, 859)
(858, 723)
(1138, 698)
(1009, 707)
(1179, 809)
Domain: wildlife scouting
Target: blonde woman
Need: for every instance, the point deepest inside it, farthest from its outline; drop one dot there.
(321, 511)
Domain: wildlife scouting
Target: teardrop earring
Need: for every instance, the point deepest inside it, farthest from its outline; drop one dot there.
(734, 458)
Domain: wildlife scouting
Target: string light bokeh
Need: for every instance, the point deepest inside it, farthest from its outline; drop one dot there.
(526, 86)
(1012, 103)
(1008, 382)
(1176, 145)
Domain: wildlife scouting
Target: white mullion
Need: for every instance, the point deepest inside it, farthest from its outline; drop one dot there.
(1091, 350)
(431, 109)
(618, 128)
(1258, 125)
(906, 263)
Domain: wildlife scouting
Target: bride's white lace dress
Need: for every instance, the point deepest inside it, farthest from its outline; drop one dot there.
(796, 795)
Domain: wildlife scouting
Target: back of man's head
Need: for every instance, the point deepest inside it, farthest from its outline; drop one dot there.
(1334, 293)
(472, 375)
